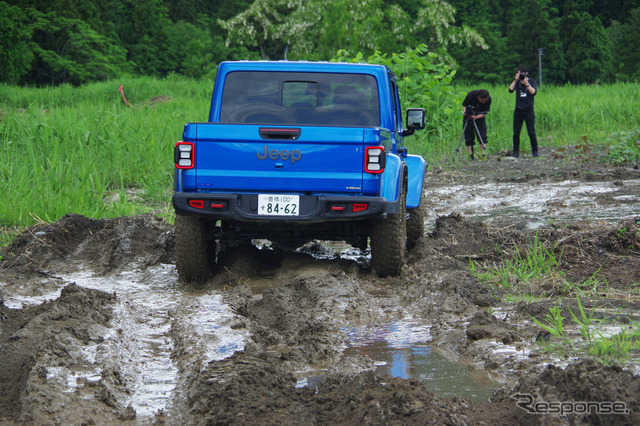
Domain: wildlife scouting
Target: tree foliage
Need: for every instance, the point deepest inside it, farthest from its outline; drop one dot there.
(316, 29)
(67, 50)
(15, 47)
(587, 49)
(623, 35)
(57, 41)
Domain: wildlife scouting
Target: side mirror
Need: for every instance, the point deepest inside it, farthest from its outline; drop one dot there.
(415, 119)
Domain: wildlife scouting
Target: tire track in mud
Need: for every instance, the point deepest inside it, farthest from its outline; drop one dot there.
(137, 346)
(149, 306)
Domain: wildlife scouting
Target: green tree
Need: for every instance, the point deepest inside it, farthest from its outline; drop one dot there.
(587, 49)
(612, 10)
(15, 50)
(434, 27)
(191, 49)
(69, 51)
(533, 25)
(312, 29)
(337, 24)
(187, 10)
(495, 64)
(140, 25)
(626, 60)
(316, 29)
(93, 12)
(261, 26)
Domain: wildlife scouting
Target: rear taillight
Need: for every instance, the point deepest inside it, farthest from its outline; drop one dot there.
(184, 155)
(360, 207)
(346, 207)
(200, 204)
(197, 204)
(374, 159)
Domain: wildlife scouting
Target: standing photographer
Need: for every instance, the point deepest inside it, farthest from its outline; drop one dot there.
(526, 89)
(475, 107)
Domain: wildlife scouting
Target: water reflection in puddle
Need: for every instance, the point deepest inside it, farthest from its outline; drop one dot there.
(400, 350)
(439, 374)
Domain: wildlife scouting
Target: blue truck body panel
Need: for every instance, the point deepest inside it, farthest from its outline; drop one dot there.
(237, 159)
(392, 179)
(417, 167)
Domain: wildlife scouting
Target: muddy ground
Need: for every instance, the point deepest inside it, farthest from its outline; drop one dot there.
(264, 342)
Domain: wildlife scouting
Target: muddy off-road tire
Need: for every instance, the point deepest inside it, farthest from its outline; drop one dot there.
(195, 251)
(389, 242)
(415, 224)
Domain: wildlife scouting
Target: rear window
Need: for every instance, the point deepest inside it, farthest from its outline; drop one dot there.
(289, 98)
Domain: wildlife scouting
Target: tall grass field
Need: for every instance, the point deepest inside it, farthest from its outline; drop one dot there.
(84, 150)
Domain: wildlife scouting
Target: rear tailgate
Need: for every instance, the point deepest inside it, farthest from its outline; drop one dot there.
(237, 158)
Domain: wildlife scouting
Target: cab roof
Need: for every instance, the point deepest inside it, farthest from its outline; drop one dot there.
(304, 66)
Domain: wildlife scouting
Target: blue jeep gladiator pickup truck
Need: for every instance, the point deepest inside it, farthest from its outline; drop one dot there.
(298, 151)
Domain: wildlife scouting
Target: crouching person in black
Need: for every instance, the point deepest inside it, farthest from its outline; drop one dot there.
(476, 106)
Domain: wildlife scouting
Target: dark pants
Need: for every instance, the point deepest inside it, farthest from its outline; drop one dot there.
(470, 131)
(529, 117)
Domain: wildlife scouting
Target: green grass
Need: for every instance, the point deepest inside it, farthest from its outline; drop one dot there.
(607, 349)
(612, 348)
(605, 117)
(525, 272)
(83, 150)
(533, 273)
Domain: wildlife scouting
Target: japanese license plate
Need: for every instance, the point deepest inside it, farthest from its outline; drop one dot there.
(278, 205)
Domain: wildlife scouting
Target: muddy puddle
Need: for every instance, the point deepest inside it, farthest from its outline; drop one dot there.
(401, 349)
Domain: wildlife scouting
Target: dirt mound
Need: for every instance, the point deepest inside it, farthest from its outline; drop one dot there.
(156, 100)
(483, 326)
(569, 163)
(624, 240)
(588, 250)
(105, 245)
(570, 389)
(298, 325)
(37, 342)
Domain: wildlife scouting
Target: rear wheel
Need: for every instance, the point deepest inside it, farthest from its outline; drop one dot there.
(389, 242)
(195, 249)
(415, 224)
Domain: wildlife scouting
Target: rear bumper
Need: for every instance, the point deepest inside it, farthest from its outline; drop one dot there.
(244, 207)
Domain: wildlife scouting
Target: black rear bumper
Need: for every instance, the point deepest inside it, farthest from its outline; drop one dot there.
(244, 207)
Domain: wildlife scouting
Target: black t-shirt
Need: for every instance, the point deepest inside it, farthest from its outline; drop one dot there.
(472, 100)
(524, 99)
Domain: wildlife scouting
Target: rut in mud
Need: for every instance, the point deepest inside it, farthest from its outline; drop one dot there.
(96, 328)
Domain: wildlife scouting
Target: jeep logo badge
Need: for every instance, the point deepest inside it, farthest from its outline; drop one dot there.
(284, 155)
